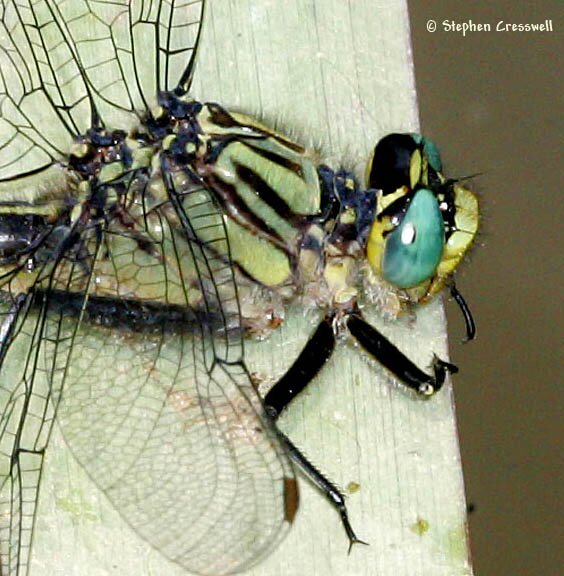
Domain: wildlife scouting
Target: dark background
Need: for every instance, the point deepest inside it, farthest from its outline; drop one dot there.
(493, 103)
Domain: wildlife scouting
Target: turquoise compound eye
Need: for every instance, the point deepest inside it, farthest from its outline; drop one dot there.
(415, 248)
(430, 150)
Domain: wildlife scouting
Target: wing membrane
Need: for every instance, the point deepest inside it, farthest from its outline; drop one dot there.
(174, 432)
(54, 62)
(72, 64)
(136, 345)
(132, 49)
(29, 394)
(130, 334)
(30, 123)
(174, 27)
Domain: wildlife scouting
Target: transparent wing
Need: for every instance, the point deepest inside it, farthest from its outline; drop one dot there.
(66, 66)
(43, 98)
(26, 419)
(138, 326)
(158, 406)
(131, 49)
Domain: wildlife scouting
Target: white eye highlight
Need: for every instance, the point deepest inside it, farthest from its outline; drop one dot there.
(408, 234)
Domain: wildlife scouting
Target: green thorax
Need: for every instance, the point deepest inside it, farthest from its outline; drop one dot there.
(267, 186)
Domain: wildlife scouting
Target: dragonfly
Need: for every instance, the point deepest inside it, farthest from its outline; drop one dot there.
(131, 274)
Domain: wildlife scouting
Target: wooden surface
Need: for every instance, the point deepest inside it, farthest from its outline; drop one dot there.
(337, 75)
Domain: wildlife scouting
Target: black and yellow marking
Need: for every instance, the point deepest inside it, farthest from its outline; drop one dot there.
(266, 183)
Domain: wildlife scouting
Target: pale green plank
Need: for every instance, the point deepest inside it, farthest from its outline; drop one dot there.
(336, 74)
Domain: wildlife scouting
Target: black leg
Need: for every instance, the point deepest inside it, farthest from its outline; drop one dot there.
(395, 361)
(469, 321)
(332, 493)
(316, 352)
(310, 361)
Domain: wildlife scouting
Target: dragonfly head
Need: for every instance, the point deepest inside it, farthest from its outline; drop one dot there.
(424, 224)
